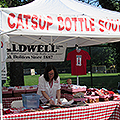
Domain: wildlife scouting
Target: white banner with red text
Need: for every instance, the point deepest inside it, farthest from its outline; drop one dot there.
(52, 24)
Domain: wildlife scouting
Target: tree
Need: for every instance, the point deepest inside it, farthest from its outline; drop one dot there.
(110, 4)
(14, 3)
(91, 2)
(103, 56)
(16, 74)
(115, 6)
(116, 48)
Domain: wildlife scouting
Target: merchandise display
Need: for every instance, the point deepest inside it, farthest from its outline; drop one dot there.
(75, 99)
(18, 90)
(73, 92)
(7, 92)
(78, 61)
(73, 88)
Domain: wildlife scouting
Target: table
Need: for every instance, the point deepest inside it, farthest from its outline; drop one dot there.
(109, 110)
(7, 101)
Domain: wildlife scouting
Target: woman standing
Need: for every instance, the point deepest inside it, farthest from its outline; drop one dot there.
(49, 86)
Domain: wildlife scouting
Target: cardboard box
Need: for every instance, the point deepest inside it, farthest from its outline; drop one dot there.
(18, 92)
(104, 98)
(92, 99)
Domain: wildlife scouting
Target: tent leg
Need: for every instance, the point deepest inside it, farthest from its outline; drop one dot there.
(77, 80)
(1, 113)
(91, 68)
(40, 68)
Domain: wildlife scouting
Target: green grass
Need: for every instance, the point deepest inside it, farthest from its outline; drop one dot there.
(31, 80)
(99, 79)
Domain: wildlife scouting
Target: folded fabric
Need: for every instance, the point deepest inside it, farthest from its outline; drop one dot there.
(79, 95)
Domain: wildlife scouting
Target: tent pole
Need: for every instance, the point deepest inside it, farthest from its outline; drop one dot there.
(91, 68)
(2, 33)
(40, 68)
(77, 80)
(1, 113)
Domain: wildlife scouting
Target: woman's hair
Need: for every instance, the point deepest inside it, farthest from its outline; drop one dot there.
(48, 69)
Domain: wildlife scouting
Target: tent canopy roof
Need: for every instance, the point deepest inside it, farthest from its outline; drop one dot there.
(80, 23)
(64, 7)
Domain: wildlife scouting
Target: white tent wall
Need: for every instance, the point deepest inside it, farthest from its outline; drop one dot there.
(0, 20)
(0, 86)
(3, 56)
(0, 76)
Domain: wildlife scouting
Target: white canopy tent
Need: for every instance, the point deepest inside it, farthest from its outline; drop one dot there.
(67, 22)
(60, 21)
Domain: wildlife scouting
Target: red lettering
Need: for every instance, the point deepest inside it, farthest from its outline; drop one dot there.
(1, 44)
(100, 23)
(49, 22)
(68, 21)
(26, 19)
(81, 21)
(20, 22)
(34, 22)
(61, 25)
(40, 22)
(107, 24)
(114, 29)
(87, 29)
(11, 15)
(75, 20)
(91, 25)
(118, 24)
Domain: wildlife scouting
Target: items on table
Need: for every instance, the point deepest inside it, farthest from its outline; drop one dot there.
(18, 90)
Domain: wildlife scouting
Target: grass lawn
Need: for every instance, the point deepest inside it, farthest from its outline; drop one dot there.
(109, 81)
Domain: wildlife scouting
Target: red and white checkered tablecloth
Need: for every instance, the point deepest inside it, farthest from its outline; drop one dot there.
(98, 111)
(7, 101)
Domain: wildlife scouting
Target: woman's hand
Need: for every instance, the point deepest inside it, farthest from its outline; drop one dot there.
(51, 102)
(59, 102)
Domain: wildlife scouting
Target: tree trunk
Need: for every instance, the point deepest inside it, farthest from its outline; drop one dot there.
(16, 74)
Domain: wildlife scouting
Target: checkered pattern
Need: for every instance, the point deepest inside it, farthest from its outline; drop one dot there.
(73, 88)
(7, 101)
(95, 111)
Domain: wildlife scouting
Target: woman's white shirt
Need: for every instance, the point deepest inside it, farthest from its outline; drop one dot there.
(51, 91)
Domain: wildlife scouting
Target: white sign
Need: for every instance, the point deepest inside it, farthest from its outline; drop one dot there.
(4, 74)
(32, 71)
(35, 53)
(4, 41)
(52, 23)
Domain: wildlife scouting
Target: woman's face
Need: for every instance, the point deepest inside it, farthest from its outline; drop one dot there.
(51, 74)
(69, 81)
